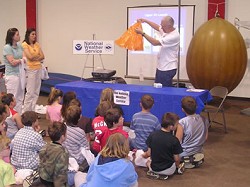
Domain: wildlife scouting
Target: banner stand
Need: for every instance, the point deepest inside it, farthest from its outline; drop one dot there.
(93, 62)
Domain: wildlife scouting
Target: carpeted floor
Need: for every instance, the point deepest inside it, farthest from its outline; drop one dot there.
(227, 162)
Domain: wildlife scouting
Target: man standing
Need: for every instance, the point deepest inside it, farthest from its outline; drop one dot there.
(168, 55)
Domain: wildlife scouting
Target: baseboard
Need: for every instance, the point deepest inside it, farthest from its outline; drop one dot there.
(238, 98)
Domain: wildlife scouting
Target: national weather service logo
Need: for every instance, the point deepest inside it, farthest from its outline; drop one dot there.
(108, 47)
(78, 47)
(93, 47)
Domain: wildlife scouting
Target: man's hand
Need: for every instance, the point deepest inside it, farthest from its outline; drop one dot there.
(142, 20)
(138, 31)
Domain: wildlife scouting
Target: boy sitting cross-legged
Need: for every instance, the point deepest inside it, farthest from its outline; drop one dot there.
(143, 123)
(192, 133)
(164, 149)
(54, 158)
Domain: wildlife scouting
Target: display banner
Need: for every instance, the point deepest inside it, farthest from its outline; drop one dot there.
(31, 14)
(93, 47)
(213, 5)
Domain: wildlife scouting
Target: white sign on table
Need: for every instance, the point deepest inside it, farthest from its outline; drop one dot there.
(121, 97)
(93, 47)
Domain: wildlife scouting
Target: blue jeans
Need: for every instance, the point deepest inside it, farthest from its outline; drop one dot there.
(71, 175)
(132, 144)
(165, 77)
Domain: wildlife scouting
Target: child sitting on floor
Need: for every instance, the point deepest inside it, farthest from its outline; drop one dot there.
(54, 158)
(14, 119)
(67, 97)
(84, 122)
(192, 133)
(114, 121)
(27, 143)
(7, 177)
(4, 113)
(99, 125)
(143, 123)
(53, 112)
(112, 167)
(164, 149)
(108, 95)
(76, 137)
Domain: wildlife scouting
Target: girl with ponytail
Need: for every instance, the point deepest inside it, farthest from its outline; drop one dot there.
(53, 112)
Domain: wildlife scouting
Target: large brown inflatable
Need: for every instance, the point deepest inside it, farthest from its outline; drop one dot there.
(217, 56)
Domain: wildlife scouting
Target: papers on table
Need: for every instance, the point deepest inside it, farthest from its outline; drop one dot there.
(195, 90)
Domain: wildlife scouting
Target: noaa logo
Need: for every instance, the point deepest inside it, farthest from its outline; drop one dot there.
(108, 47)
(78, 47)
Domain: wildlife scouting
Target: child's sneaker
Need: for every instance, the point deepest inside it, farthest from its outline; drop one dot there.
(181, 168)
(42, 132)
(152, 175)
(188, 162)
(189, 165)
(198, 159)
(194, 161)
(163, 177)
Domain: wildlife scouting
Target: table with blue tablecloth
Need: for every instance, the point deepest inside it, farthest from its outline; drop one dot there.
(166, 99)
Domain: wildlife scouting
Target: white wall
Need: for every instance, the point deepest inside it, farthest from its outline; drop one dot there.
(12, 14)
(241, 11)
(62, 21)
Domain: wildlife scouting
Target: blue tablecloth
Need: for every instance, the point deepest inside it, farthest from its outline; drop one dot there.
(166, 99)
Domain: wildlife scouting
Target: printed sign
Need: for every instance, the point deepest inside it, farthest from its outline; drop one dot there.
(121, 97)
(93, 47)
